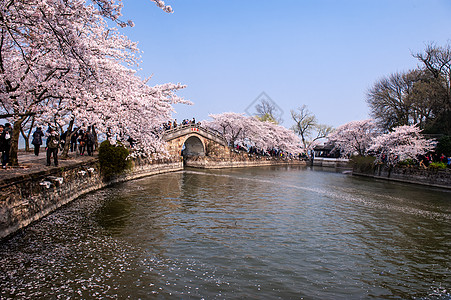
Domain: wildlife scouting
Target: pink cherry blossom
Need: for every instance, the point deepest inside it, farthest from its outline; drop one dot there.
(240, 129)
(61, 62)
(402, 143)
(354, 137)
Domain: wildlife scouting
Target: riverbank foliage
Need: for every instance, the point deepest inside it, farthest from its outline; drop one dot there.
(113, 159)
(437, 166)
(444, 146)
(362, 163)
(365, 164)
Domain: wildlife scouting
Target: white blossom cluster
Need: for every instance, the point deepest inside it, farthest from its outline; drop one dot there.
(364, 137)
(62, 63)
(354, 137)
(404, 142)
(240, 129)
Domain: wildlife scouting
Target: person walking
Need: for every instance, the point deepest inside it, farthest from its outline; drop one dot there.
(81, 142)
(9, 129)
(73, 140)
(5, 143)
(89, 137)
(4, 147)
(52, 147)
(37, 140)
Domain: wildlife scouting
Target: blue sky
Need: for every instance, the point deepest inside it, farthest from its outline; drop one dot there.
(322, 53)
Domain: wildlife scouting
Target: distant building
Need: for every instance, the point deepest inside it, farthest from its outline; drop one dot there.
(326, 150)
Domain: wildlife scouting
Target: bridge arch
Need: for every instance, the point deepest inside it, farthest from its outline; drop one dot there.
(193, 146)
(197, 140)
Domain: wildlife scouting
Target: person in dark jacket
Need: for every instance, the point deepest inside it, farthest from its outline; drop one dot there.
(73, 140)
(52, 146)
(2, 143)
(89, 139)
(5, 143)
(81, 142)
(37, 140)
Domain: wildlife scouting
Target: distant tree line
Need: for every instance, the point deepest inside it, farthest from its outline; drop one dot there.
(420, 96)
(306, 124)
(404, 106)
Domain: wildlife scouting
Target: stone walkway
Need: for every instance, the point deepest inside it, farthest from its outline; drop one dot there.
(30, 163)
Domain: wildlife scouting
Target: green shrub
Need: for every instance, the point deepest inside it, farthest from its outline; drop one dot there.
(444, 146)
(407, 162)
(113, 159)
(363, 163)
(437, 165)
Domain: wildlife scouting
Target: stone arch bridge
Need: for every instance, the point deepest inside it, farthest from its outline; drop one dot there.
(192, 140)
(204, 148)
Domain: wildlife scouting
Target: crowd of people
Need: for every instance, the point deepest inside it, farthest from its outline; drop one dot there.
(173, 124)
(81, 141)
(275, 153)
(425, 160)
(422, 161)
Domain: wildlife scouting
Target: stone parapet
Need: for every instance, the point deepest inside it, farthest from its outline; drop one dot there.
(331, 162)
(239, 160)
(434, 178)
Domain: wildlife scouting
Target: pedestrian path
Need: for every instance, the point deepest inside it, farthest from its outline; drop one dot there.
(30, 163)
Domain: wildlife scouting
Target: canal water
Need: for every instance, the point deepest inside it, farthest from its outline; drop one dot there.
(255, 233)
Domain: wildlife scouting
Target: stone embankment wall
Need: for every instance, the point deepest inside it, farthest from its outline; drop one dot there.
(30, 197)
(434, 178)
(331, 162)
(238, 159)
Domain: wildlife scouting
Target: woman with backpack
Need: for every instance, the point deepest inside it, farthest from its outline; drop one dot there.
(52, 147)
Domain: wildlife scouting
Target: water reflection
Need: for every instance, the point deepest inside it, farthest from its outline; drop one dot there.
(238, 233)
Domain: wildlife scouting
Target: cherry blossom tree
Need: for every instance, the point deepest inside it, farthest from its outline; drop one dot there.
(279, 137)
(402, 143)
(354, 137)
(60, 62)
(238, 128)
(234, 127)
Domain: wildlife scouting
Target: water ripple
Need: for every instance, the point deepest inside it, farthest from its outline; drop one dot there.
(254, 233)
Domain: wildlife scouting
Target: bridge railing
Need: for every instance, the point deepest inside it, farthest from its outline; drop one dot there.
(191, 125)
(172, 130)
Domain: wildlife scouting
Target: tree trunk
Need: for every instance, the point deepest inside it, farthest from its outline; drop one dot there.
(96, 144)
(27, 141)
(64, 154)
(27, 144)
(13, 160)
(27, 136)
